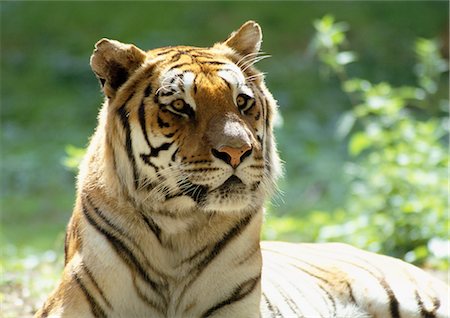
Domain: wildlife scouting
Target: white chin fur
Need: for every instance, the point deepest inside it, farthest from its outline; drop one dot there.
(229, 207)
(212, 204)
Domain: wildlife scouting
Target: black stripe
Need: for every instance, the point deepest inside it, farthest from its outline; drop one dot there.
(287, 299)
(170, 135)
(178, 65)
(274, 311)
(123, 114)
(177, 56)
(194, 256)
(152, 226)
(104, 218)
(240, 292)
(436, 304)
(220, 245)
(174, 154)
(155, 151)
(226, 82)
(293, 304)
(204, 169)
(259, 139)
(425, 313)
(168, 93)
(250, 252)
(329, 296)
(197, 53)
(166, 51)
(96, 309)
(266, 103)
(393, 302)
(66, 244)
(114, 227)
(217, 249)
(147, 161)
(94, 282)
(301, 291)
(148, 90)
(147, 300)
(199, 161)
(141, 115)
(350, 291)
(124, 252)
(196, 192)
(264, 116)
(162, 123)
(48, 307)
(212, 62)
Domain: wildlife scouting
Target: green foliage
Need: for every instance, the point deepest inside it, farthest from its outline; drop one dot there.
(430, 64)
(73, 157)
(398, 174)
(330, 37)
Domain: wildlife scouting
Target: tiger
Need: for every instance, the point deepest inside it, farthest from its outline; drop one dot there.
(170, 197)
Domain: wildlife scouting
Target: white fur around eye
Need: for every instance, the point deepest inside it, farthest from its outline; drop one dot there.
(176, 85)
(233, 75)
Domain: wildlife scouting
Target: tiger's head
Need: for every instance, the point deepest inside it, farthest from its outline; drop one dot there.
(186, 127)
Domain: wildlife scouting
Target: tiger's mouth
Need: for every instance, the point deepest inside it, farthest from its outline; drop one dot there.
(232, 184)
(199, 193)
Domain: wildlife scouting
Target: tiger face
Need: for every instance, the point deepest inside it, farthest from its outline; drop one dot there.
(189, 128)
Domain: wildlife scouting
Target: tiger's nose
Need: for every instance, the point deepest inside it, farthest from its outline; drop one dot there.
(232, 155)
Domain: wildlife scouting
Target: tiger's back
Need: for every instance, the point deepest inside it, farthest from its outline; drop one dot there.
(170, 198)
(338, 280)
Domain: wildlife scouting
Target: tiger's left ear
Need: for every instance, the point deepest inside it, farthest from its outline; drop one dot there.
(247, 39)
(113, 62)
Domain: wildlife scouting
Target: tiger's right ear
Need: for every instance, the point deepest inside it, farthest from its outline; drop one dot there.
(246, 40)
(113, 62)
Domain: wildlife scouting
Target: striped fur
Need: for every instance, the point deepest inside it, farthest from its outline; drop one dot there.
(326, 280)
(170, 198)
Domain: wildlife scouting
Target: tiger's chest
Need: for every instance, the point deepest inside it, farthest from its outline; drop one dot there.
(210, 281)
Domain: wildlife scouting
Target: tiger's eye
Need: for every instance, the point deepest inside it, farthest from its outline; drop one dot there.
(178, 104)
(240, 100)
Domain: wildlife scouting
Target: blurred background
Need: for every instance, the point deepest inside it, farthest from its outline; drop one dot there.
(363, 126)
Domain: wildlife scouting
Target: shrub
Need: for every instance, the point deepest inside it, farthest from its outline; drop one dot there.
(398, 199)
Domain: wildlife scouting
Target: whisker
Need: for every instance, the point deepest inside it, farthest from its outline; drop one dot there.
(166, 87)
(247, 56)
(168, 181)
(252, 77)
(254, 61)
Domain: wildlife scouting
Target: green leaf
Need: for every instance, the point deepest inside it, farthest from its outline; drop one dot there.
(358, 143)
(355, 85)
(73, 157)
(345, 124)
(346, 57)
